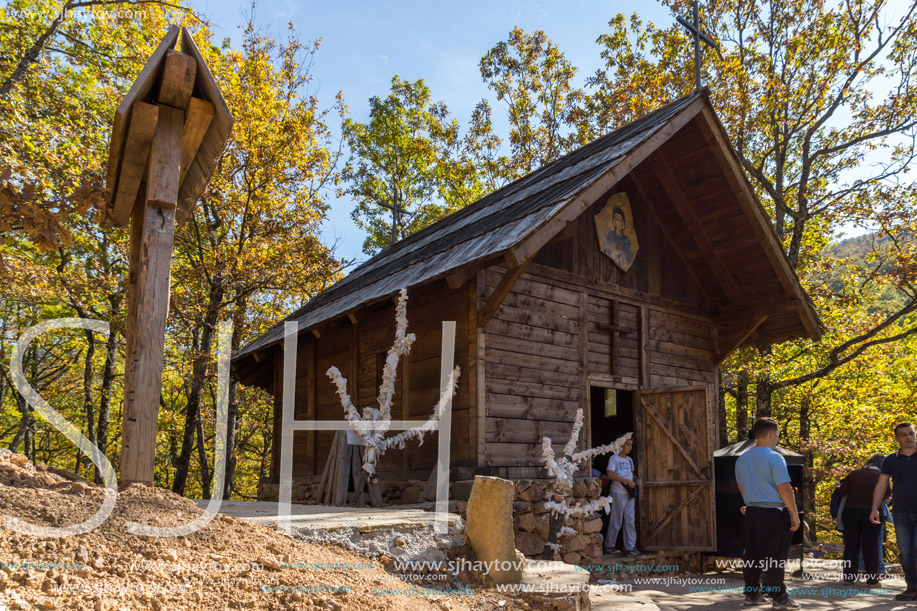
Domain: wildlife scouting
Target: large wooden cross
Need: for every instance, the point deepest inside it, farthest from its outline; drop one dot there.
(168, 134)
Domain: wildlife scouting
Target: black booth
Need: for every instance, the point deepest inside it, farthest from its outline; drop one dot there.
(729, 501)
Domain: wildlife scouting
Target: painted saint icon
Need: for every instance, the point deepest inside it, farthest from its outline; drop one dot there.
(614, 226)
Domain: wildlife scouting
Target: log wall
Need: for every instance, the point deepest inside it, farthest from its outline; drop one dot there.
(362, 347)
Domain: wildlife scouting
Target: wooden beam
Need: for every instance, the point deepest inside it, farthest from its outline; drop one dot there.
(732, 168)
(356, 316)
(644, 346)
(136, 151)
(771, 308)
(140, 131)
(177, 80)
(146, 331)
(695, 228)
(477, 297)
(585, 198)
(500, 292)
(457, 278)
(614, 328)
(165, 159)
(198, 117)
(727, 344)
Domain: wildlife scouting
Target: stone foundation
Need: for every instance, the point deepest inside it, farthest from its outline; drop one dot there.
(393, 493)
(531, 522)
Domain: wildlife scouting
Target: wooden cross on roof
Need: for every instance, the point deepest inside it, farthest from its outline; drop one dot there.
(168, 134)
(699, 37)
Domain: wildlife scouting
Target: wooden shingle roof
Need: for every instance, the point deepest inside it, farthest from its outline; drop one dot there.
(513, 222)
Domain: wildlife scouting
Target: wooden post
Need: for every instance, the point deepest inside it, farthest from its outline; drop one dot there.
(152, 231)
(158, 166)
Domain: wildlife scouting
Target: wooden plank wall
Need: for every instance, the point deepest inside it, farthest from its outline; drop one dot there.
(532, 372)
(362, 348)
(542, 352)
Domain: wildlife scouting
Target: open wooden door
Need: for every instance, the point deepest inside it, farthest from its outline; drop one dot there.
(675, 460)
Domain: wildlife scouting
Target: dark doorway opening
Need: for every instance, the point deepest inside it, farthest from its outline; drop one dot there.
(612, 415)
(612, 412)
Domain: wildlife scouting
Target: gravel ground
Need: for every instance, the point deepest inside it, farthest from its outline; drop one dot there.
(229, 564)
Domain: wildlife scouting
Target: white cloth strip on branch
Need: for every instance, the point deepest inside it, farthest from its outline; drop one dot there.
(374, 439)
(562, 471)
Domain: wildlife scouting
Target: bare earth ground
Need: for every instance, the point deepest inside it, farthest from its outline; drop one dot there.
(229, 564)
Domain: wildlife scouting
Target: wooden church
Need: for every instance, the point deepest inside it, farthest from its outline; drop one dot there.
(614, 279)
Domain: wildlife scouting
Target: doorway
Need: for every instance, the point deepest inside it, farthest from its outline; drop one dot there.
(612, 415)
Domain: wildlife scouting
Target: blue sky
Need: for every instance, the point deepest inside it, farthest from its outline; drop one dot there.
(364, 44)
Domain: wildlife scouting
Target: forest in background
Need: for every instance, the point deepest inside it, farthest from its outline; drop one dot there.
(819, 99)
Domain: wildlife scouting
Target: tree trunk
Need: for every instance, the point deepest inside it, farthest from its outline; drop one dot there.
(232, 434)
(198, 379)
(23, 434)
(31, 56)
(742, 407)
(721, 420)
(763, 393)
(25, 423)
(808, 482)
(554, 524)
(232, 416)
(87, 396)
(108, 382)
(206, 479)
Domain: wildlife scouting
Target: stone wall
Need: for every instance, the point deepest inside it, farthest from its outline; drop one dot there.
(531, 521)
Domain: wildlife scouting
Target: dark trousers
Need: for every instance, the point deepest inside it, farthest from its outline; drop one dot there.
(860, 534)
(767, 542)
(906, 533)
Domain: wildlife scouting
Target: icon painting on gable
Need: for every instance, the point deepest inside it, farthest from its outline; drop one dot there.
(615, 228)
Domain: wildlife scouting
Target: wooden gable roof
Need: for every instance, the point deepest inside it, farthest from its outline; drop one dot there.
(513, 223)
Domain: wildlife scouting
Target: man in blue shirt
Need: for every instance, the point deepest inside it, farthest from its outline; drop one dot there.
(901, 468)
(770, 516)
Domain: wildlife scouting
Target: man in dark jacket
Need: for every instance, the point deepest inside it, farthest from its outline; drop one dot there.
(859, 531)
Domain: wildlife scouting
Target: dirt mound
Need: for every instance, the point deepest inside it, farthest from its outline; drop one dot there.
(228, 564)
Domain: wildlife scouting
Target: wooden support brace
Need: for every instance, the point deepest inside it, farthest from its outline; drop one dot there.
(674, 512)
(729, 343)
(500, 292)
(133, 161)
(356, 316)
(198, 117)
